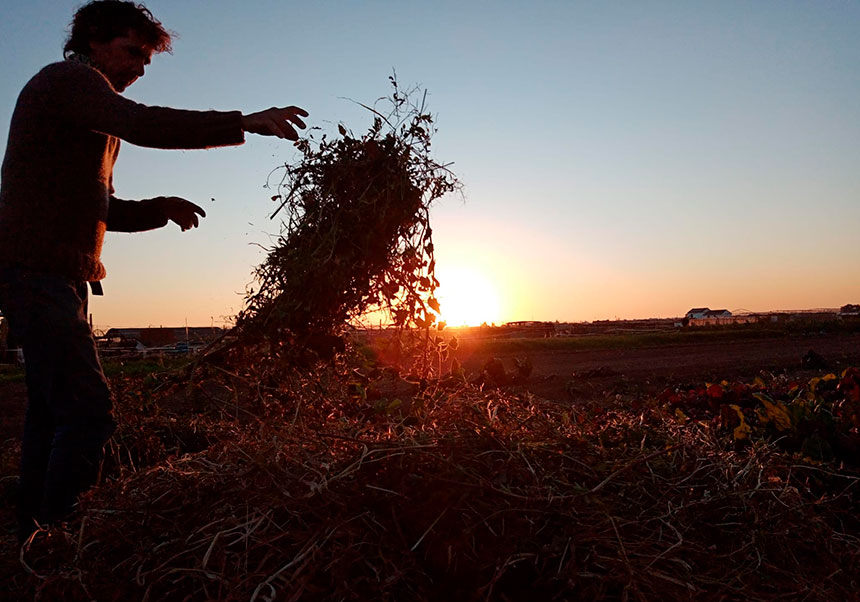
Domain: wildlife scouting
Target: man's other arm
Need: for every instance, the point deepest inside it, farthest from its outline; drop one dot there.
(149, 214)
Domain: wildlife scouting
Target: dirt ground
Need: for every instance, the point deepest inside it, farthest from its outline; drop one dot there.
(565, 376)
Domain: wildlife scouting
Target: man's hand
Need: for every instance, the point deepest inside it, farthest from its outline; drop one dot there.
(275, 122)
(181, 212)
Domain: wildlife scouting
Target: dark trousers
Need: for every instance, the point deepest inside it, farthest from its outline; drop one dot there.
(69, 405)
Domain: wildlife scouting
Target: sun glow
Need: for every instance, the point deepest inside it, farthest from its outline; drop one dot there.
(467, 297)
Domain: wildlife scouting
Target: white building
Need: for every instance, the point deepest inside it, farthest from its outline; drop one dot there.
(699, 313)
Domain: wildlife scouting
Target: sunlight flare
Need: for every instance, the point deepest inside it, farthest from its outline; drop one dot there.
(467, 297)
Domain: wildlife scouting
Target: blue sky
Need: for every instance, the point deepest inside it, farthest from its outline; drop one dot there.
(623, 159)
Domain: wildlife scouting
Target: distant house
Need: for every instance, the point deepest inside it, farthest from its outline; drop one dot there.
(700, 313)
(851, 309)
(697, 313)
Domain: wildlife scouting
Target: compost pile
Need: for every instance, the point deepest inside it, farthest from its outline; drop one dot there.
(231, 490)
(357, 235)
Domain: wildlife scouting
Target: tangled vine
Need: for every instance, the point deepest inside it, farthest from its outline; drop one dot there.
(357, 235)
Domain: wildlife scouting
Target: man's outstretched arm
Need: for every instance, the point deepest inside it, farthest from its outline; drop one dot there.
(83, 97)
(148, 214)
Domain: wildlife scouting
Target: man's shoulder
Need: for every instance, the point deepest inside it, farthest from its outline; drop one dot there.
(62, 72)
(74, 68)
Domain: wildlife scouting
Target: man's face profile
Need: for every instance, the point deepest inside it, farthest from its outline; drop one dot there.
(122, 59)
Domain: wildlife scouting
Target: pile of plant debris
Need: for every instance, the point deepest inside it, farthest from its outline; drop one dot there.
(300, 491)
(357, 236)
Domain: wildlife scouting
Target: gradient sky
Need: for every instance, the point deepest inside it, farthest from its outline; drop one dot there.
(621, 159)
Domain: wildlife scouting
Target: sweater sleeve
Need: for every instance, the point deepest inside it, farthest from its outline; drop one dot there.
(84, 97)
(134, 216)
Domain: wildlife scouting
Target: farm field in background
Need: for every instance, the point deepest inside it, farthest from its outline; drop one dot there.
(647, 361)
(648, 365)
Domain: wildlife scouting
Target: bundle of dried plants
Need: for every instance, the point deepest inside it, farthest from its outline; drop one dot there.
(357, 233)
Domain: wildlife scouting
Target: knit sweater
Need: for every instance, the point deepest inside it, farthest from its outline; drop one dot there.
(56, 183)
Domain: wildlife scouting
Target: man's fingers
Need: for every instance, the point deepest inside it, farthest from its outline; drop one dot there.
(281, 128)
(186, 206)
(183, 212)
(186, 222)
(276, 122)
(283, 118)
(297, 121)
(191, 211)
(292, 114)
(196, 209)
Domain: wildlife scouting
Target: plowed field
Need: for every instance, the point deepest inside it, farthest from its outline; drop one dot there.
(566, 375)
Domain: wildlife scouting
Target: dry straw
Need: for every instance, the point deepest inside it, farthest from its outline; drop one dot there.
(467, 495)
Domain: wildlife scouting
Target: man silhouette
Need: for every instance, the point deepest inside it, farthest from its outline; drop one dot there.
(56, 202)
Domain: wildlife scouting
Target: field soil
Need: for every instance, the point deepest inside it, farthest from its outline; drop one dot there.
(565, 375)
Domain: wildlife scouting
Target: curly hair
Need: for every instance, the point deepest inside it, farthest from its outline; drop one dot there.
(104, 20)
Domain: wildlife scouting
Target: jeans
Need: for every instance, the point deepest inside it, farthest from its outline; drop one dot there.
(69, 416)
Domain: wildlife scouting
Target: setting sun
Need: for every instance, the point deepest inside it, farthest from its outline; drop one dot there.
(467, 297)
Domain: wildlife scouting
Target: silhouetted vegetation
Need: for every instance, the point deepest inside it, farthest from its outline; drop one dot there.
(357, 235)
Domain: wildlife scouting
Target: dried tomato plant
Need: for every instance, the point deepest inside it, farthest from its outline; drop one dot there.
(357, 235)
